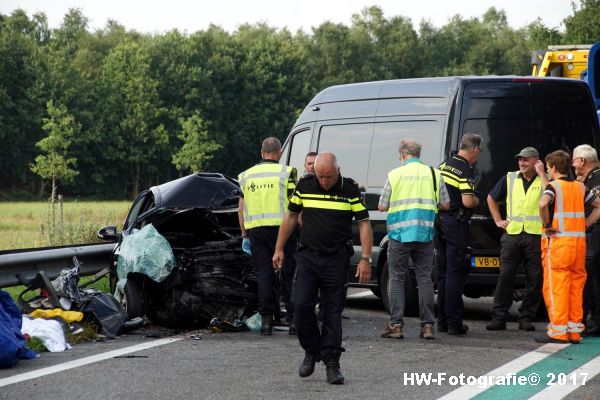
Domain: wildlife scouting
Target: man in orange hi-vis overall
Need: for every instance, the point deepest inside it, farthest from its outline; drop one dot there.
(563, 249)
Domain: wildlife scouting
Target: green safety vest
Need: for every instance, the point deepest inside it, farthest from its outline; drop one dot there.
(522, 209)
(413, 202)
(265, 187)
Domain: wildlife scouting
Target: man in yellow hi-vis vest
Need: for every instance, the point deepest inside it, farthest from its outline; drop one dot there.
(521, 190)
(266, 188)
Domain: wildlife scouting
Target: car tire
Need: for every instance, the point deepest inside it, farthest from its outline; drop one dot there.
(411, 301)
(134, 297)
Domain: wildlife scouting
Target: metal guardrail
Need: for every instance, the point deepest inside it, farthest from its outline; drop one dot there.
(52, 260)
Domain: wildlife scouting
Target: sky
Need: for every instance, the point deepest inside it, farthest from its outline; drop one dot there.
(189, 16)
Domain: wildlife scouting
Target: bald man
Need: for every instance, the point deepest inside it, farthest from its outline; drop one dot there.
(329, 203)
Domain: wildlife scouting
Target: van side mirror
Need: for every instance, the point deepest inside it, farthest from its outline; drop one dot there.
(371, 201)
(108, 233)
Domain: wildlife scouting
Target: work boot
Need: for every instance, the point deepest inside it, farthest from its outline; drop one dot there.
(292, 330)
(334, 375)
(462, 331)
(393, 331)
(267, 324)
(427, 331)
(496, 325)
(526, 325)
(544, 338)
(308, 365)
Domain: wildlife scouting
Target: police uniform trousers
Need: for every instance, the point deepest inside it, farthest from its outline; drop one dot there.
(327, 274)
(454, 262)
(522, 247)
(262, 244)
(591, 291)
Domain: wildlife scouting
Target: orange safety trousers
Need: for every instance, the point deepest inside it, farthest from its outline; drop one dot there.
(563, 260)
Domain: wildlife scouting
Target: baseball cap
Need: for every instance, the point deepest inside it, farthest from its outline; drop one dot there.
(528, 152)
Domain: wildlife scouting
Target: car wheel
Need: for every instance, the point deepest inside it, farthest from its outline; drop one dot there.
(134, 297)
(411, 300)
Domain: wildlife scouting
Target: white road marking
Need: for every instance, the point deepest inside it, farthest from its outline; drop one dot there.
(526, 360)
(560, 391)
(84, 361)
(360, 294)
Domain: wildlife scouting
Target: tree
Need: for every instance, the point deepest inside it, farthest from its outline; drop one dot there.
(21, 105)
(134, 109)
(583, 27)
(197, 149)
(55, 164)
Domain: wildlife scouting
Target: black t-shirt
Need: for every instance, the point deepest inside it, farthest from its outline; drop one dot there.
(327, 215)
(459, 179)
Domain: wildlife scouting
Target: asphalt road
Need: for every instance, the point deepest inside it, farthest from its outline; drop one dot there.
(204, 365)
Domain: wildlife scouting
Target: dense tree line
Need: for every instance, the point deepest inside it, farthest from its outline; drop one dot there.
(145, 109)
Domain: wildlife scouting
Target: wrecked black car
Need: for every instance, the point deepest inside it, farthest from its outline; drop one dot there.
(178, 260)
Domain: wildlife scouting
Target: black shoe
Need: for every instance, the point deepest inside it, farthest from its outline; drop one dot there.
(496, 325)
(526, 325)
(441, 327)
(267, 325)
(292, 330)
(334, 375)
(544, 338)
(462, 331)
(308, 365)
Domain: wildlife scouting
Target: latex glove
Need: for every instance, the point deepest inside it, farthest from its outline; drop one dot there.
(246, 246)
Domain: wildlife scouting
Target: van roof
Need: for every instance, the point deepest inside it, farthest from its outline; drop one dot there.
(441, 87)
(420, 87)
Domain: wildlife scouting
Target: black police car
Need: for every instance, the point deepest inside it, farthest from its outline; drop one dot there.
(212, 277)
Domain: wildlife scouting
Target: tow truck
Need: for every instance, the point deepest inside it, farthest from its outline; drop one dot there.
(570, 61)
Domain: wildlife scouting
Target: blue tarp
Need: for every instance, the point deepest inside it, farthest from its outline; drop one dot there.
(12, 342)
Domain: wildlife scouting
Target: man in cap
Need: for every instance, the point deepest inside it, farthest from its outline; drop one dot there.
(520, 191)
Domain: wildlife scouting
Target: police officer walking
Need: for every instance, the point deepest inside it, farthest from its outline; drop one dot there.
(454, 234)
(266, 188)
(585, 163)
(411, 195)
(521, 241)
(329, 203)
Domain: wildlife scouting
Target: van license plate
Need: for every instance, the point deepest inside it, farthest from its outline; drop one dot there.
(485, 262)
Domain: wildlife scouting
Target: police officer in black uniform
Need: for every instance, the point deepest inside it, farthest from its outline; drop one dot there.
(454, 235)
(328, 203)
(587, 169)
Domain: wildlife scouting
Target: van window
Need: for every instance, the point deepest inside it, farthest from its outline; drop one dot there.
(500, 113)
(299, 146)
(513, 115)
(386, 142)
(561, 117)
(350, 143)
